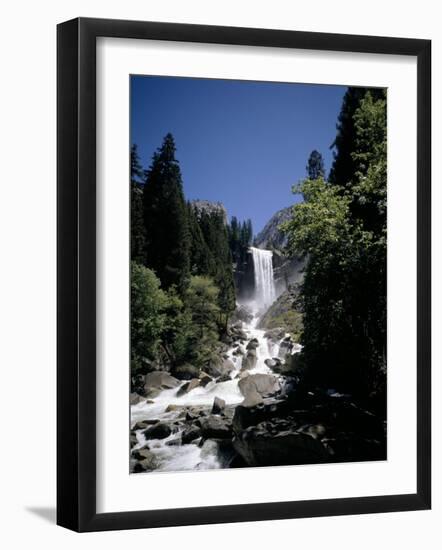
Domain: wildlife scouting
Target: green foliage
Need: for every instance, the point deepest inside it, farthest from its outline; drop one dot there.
(342, 229)
(201, 300)
(166, 218)
(148, 303)
(167, 330)
(290, 320)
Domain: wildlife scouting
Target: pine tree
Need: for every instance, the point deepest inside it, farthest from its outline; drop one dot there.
(201, 260)
(315, 166)
(344, 166)
(137, 230)
(215, 233)
(166, 218)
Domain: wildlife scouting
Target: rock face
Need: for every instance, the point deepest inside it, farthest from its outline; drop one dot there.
(287, 270)
(272, 237)
(283, 316)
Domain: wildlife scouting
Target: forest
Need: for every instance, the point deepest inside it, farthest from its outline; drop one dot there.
(232, 383)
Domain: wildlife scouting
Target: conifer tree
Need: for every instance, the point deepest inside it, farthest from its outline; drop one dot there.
(201, 260)
(344, 166)
(214, 229)
(315, 166)
(166, 218)
(137, 231)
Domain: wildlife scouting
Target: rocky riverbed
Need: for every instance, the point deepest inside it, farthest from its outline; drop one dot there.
(246, 410)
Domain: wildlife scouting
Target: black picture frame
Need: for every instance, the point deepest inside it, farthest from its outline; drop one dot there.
(77, 286)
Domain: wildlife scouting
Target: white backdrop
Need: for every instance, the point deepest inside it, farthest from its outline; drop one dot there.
(27, 292)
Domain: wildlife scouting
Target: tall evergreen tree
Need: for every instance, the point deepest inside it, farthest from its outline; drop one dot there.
(344, 166)
(137, 230)
(215, 233)
(201, 259)
(166, 218)
(315, 166)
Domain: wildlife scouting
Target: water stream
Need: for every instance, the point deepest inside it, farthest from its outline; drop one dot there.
(173, 457)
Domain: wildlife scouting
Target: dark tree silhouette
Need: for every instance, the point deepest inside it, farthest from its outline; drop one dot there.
(166, 219)
(315, 166)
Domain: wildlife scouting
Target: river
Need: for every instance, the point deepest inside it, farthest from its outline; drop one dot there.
(170, 453)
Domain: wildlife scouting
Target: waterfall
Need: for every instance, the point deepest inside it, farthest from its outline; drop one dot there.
(265, 293)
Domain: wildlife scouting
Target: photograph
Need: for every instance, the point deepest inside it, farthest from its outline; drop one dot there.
(258, 274)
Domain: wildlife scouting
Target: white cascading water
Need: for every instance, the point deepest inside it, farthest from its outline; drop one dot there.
(191, 456)
(264, 282)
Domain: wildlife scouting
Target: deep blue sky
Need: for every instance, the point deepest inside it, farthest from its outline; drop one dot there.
(241, 143)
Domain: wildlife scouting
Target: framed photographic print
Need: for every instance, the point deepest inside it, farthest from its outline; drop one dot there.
(243, 274)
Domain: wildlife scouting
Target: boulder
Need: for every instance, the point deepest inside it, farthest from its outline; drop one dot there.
(188, 386)
(190, 434)
(174, 442)
(275, 334)
(272, 363)
(250, 360)
(133, 440)
(142, 453)
(157, 381)
(286, 346)
(237, 333)
(220, 367)
(239, 350)
(263, 384)
(205, 379)
(187, 372)
(261, 446)
(250, 416)
(158, 431)
(193, 413)
(135, 398)
(214, 427)
(218, 405)
(172, 408)
(140, 426)
(146, 464)
(253, 344)
(252, 399)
